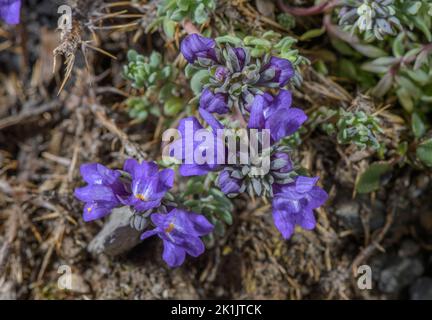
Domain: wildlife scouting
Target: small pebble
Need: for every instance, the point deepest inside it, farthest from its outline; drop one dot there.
(421, 289)
(399, 274)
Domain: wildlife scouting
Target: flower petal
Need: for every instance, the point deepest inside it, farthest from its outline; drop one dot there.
(200, 223)
(188, 170)
(213, 123)
(283, 223)
(188, 223)
(305, 184)
(148, 234)
(96, 210)
(195, 46)
(291, 206)
(159, 219)
(140, 170)
(131, 166)
(283, 99)
(166, 176)
(317, 197)
(95, 173)
(92, 193)
(173, 255)
(213, 102)
(141, 206)
(193, 246)
(284, 70)
(256, 119)
(227, 184)
(284, 122)
(306, 220)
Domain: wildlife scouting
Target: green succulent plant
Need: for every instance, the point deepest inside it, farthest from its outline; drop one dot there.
(196, 10)
(171, 12)
(375, 19)
(393, 56)
(349, 127)
(158, 81)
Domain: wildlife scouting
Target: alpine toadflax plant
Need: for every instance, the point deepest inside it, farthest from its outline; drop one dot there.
(244, 100)
(10, 11)
(143, 187)
(251, 91)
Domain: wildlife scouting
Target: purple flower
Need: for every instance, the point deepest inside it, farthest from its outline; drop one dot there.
(228, 184)
(293, 204)
(213, 102)
(288, 167)
(240, 54)
(281, 71)
(195, 46)
(148, 186)
(221, 73)
(102, 193)
(10, 11)
(180, 232)
(276, 114)
(210, 148)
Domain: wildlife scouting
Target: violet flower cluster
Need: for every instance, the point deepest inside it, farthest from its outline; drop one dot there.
(243, 87)
(248, 90)
(10, 11)
(142, 186)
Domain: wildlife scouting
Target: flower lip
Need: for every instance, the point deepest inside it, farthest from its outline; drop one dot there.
(276, 114)
(240, 57)
(195, 46)
(180, 238)
(214, 102)
(221, 73)
(149, 185)
(228, 184)
(283, 70)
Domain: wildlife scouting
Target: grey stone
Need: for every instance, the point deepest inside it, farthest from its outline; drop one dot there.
(408, 248)
(429, 264)
(266, 7)
(377, 215)
(377, 264)
(399, 274)
(426, 220)
(348, 212)
(421, 289)
(117, 236)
